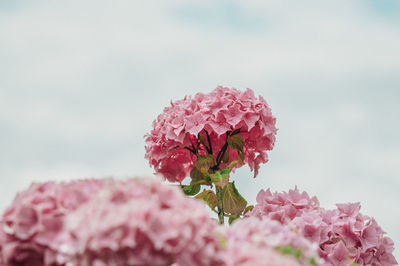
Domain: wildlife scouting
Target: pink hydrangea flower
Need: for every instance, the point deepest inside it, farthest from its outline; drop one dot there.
(252, 241)
(32, 224)
(142, 222)
(342, 233)
(106, 222)
(283, 206)
(222, 110)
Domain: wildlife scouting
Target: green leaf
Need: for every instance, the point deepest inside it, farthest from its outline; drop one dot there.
(233, 218)
(222, 239)
(312, 261)
(288, 250)
(209, 197)
(248, 209)
(227, 170)
(236, 142)
(225, 158)
(352, 263)
(232, 201)
(241, 155)
(196, 174)
(190, 190)
(220, 178)
(205, 162)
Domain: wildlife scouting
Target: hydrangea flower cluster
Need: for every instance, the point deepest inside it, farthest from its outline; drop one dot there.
(342, 234)
(142, 222)
(251, 241)
(106, 222)
(201, 124)
(31, 226)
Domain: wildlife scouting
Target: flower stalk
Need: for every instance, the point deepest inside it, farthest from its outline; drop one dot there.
(207, 171)
(220, 206)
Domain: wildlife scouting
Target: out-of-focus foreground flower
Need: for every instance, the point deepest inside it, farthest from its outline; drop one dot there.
(343, 234)
(262, 242)
(107, 222)
(136, 222)
(145, 222)
(203, 124)
(31, 226)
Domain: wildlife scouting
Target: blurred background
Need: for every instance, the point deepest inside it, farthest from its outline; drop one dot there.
(82, 81)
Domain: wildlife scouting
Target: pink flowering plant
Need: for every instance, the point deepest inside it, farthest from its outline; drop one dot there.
(208, 136)
(254, 242)
(140, 221)
(136, 222)
(342, 234)
(107, 222)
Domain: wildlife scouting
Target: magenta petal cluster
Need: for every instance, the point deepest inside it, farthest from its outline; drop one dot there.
(106, 222)
(252, 241)
(342, 233)
(223, 109)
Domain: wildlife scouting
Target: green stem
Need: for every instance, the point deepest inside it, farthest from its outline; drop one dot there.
(220, 205)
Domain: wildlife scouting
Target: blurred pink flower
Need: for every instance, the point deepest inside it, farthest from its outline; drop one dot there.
(222, 110)
(33, 223)
(342, 234)
(106, 222)
(142, 222)
(252, 241)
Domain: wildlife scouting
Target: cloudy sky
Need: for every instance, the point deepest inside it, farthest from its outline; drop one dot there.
(81, 82)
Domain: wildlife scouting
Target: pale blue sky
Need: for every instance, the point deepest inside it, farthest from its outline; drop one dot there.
(81, 82)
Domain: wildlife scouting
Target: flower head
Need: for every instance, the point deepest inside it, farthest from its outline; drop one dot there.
(31, 226)
(142, 222)
(342, 234)
(106, 222)
(210, 118)
(266, 242)
(283, 206)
